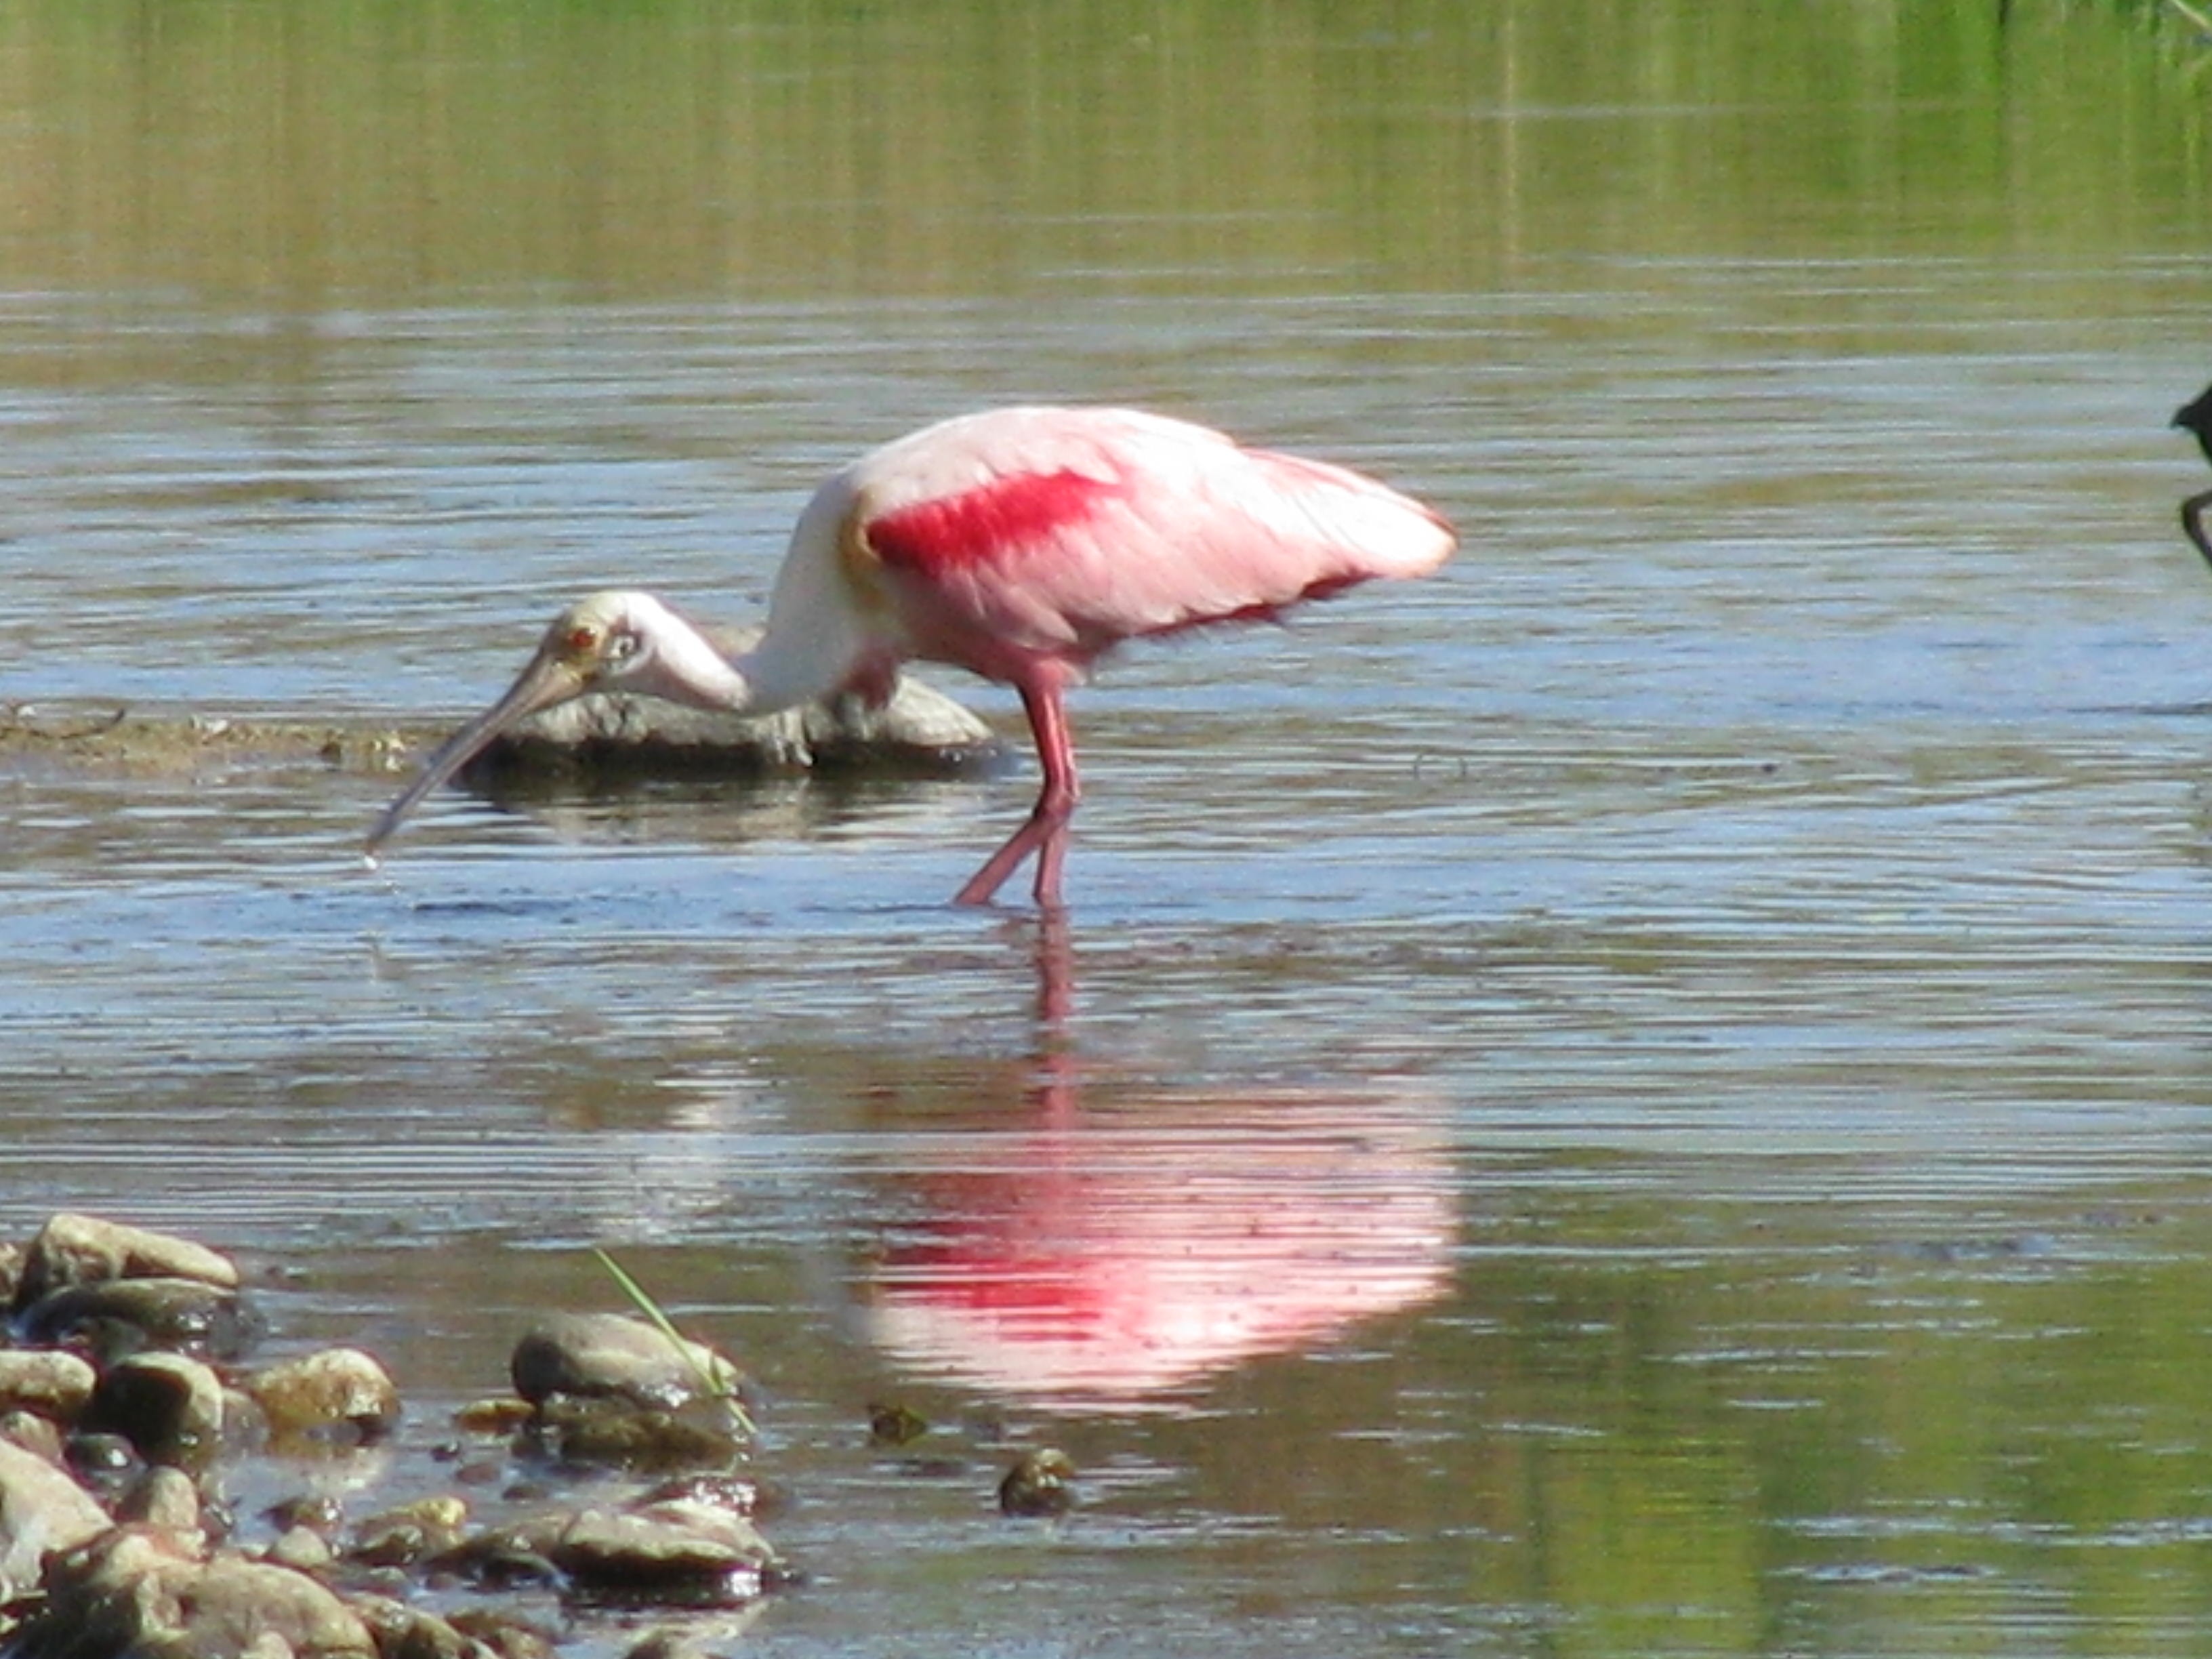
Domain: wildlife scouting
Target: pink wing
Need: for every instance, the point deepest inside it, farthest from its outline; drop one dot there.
(1024, 534)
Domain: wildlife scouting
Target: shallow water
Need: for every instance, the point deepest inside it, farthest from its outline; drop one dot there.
(1648, 1093)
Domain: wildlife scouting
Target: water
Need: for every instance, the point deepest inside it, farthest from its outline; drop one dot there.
(1646, 1095)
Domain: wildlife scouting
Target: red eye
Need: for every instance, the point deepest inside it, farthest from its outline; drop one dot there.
(583, 639)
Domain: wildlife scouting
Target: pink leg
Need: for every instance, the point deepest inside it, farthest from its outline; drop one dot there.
(1045, 833)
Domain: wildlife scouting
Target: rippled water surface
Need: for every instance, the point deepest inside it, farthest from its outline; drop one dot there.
(1648, 1094)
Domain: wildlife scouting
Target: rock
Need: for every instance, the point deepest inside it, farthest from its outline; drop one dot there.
(40, 1435)
(54, 1385)
(341, 1395)
(699, 1553)
(679, 1550)
(694, 1554)
(108, 1464)
(302, 1549)
(616, 1434)
(1042, 1482)
(170, 1406)
(42, 1511)
(892, 1424)
(401, 1537)
(82, 1250)
(597, 1356)
(501, 1557)
(318, 1512)
(699, 1637)
(165, 1499)
(131, 1591)
(734, 1493)
(668, 1644)
(494, 1416)
(405, 1632)
(504, 1635)
(112, 1318)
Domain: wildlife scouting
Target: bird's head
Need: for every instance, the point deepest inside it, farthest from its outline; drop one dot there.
(616, 640)
(598, 642)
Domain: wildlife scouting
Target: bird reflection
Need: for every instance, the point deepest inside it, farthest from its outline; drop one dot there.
(1095, 1241)
(2196, 417)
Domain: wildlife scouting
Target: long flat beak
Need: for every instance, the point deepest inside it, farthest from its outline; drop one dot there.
(547, 681)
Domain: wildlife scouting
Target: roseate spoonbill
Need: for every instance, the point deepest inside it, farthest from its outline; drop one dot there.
(1019, 543)
(2196, 417)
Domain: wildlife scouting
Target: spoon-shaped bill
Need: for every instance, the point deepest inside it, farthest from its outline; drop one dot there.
(548, 680)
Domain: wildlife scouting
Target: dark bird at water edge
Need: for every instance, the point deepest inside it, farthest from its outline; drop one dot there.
(2196, 417)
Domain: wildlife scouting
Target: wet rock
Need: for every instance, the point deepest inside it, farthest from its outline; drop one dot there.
(168, 1406)
(302, 1549)
(40, 1435)
(406, 1632)
(690, 1553)
(596, 1355)
(341, 1395)
(668, 1645)
(400, 1629)
(54, 1385)
(108, 1464)
(42, 1511)
(165, 1499)
(696, 1638)
(734, 1493)
(494, 1416)
(503, 1635)
(890, 1424)
(680, 1550)
(1041, 1482)
(693, 1550)
(318, 1512)
(81, 1249)
(112, 1318)
(616, 1434)
(409, 1534)
(500, 1557)
(132, 1591)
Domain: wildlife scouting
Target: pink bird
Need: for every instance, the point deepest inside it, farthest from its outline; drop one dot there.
(1019, 543)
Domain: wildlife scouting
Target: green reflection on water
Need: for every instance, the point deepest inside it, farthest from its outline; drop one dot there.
(382, 152)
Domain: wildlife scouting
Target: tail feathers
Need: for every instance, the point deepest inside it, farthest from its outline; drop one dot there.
(1373, 531)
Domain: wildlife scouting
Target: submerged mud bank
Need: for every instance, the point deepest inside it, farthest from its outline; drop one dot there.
(85, 736)
(919, 733)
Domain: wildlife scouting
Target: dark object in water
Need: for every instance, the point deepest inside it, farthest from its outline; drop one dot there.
(2196, 417)
(890, 1423)
(1042, 1482)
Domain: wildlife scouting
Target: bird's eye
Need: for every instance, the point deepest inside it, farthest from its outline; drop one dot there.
(583, 642)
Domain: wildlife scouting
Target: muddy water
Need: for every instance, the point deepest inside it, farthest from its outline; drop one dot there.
(1648, 1094)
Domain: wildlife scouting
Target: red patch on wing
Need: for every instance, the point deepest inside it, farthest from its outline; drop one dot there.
(989, 523)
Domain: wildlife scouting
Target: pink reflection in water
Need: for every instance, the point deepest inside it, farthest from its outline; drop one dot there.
(1166, 1240)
